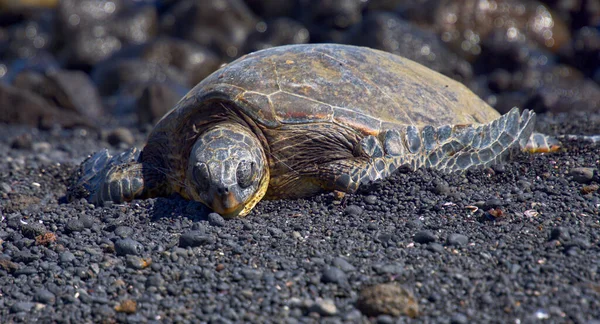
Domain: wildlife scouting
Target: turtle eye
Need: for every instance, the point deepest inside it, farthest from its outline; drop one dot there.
(245, 173)
(201, 176)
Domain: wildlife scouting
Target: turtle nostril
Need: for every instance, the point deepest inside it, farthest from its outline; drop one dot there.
(222, 190)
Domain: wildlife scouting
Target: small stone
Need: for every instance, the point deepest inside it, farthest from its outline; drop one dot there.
(22, 142)
(120, 135)
(441, 188)
(127, 306)
(388, 268)
(560, 233)
(457, 239)
(67, 257)
(334, 275)
(45, 296)
(251, 274)
(384, 319)
(123, 231)
(459, 318)
(323, 307)
(41, 147)
(343, 265)
(353, 210)
(128, 246)
(74, 225)
(499, 168)
(275, 232)
(387, 299)
(5, 187)
(589, 189)
(215, 219)
(33, 229)
(87, 221)
(194, 239)
(22, 307)
(582, 175)
(492, 203)
(435, 247)
(155, 281)
(135, 262)
(371, 199)
(424, 237)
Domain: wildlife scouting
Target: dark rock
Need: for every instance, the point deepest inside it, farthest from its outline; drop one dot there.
(100, 30)
(222, 25)
(424, 237)
(390, 33)
(560, 233)
(194, 238)
(459, 318)
(353, 210)
(334, 275)
(22, 142)
(193, 61)
(215, 219)
(371, 200)
(123, 231)
(33, 229)
(441, 188)
(343, 265)
(128, 246)
(280, 31)
(120, 136)
(70, 90)
(156, 100)
(25, 107)
(582, 175)
(67, 257)
(435, 247)
(74, 225)
(457, 239)
(22, 307)
(132, 76)
(44, 296)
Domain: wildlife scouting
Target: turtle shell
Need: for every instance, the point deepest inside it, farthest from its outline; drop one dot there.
(357, 87)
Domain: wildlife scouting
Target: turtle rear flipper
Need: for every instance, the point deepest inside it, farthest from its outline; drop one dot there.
(541, 143)
(102, 177)
(462, 147)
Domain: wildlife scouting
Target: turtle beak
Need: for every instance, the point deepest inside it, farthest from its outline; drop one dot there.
(226, 204)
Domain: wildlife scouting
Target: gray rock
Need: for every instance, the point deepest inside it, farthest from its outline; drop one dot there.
(457, 239)
(323, 307)
(215, 219)
(582, 175)
(424, 237)
(334, 275)
(128, 246)
(194, 238)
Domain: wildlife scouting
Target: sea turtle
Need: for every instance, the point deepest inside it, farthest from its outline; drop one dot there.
(292, 121)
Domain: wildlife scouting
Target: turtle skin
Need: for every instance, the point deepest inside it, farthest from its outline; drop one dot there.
(325, 117)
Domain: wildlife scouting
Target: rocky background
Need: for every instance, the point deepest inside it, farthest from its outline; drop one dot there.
(519, 242)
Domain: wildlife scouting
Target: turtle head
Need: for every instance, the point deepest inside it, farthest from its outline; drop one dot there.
(227, 170)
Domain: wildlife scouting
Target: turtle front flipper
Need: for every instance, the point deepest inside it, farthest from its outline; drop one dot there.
(102, 177)
(447, 148)
(462, 147)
